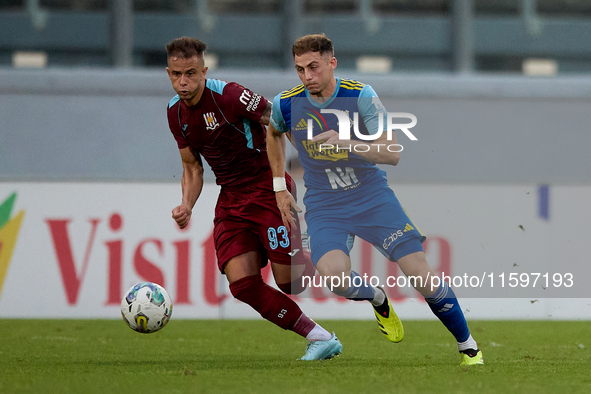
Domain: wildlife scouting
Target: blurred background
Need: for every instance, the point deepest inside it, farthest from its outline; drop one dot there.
(517, 36)
(83, 88)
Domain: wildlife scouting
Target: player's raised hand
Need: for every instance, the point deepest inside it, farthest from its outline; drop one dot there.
(182, 215)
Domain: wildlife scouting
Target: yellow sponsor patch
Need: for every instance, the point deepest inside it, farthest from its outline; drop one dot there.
(313, 149)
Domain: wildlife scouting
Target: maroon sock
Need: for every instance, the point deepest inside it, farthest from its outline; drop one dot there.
(269, 302)
(304, 325)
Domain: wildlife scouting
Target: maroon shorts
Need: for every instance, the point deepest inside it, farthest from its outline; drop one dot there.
(247, 219)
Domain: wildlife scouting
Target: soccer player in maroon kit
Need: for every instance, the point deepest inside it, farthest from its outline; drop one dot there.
(223, 122)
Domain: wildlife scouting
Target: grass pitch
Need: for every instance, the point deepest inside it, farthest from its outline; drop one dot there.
(236, 356)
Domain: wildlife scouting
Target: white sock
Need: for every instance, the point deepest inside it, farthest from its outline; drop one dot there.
(469, 343)
(378, 298)
(318, 334)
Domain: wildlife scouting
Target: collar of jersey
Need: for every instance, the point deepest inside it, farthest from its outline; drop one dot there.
(327, 102)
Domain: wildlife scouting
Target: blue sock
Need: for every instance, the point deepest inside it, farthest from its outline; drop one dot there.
(446, 307)
(359, 290)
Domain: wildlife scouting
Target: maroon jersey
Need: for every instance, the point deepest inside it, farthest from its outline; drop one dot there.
(224, 128)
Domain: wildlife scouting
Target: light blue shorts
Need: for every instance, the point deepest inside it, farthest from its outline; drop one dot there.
(377, 218)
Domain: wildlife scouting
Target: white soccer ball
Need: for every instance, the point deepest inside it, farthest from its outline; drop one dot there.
(146, 307)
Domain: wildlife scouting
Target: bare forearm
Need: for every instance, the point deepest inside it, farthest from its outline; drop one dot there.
(192, 184)
(276, 151)
(276, 154)
(380, 151)
(376, 152)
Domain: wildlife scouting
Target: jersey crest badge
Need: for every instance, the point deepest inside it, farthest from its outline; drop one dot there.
(211, 123)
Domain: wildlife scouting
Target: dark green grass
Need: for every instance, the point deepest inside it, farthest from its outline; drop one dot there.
(101, 356)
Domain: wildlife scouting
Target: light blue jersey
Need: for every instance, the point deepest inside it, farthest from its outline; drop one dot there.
(346, 195)
(339, 172)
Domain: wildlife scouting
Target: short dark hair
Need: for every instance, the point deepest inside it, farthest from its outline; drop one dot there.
(185, 47)
(313, 43)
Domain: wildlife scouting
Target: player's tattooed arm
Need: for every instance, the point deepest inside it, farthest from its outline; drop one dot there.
(266, 116)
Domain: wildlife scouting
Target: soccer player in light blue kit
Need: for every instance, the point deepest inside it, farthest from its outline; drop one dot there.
(347, 195)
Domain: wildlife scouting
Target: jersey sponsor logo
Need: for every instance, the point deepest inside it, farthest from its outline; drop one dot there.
(253, 103)
(408, 227)
(345, 180)
(245, 97)
(393, 237)
(302, 125)
(211, 123)
(313, 149)
(185, 127)
(250, 100)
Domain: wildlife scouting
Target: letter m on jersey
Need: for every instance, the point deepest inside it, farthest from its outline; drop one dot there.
(341, 179)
